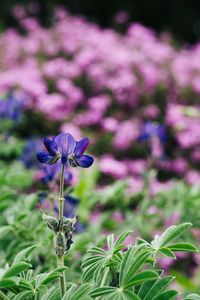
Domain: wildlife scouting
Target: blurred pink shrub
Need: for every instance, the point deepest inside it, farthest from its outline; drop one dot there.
(98, 80)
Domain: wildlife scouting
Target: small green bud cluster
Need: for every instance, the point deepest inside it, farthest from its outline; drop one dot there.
(63, 234)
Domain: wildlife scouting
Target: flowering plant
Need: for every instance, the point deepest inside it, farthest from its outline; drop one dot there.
(121, 269)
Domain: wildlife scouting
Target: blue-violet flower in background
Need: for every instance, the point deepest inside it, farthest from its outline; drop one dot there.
(11, 106)
(64, 147)
(151, 130)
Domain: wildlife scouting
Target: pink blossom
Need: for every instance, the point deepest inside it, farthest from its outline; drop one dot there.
(112, 167)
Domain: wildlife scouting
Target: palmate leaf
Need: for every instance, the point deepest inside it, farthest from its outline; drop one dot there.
(161, 244)
(113, 293)
(144, 288)
(94, 266)
(133, 260)
(76, 293)
(158, 287)
(144, 276)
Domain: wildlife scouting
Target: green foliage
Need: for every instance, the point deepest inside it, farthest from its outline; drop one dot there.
(160, 244)
(132, 274)
(114, 272)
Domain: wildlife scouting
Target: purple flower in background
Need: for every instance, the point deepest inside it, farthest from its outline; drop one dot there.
(50, 171)
(28, 157)
(151, 130)
(11, 107)
(64, 147)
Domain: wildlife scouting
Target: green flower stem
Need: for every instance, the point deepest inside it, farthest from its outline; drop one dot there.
(60, 262)
(3, 296)
(61, 197)
(60, 258)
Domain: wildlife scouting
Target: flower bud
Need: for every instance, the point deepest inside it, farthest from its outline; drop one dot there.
(68, 225)
(52, 222)
(60, 243)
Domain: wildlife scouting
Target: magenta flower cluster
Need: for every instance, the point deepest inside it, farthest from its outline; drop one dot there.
(111, 85)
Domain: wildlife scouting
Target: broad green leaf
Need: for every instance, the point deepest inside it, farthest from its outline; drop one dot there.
(16, 269)
(81, 292)
(158, 287)
(166, 295)
(130, 257)
(192, 297)
(137, 262)
(183, 247)
(147, 275)
(101, 291)
(96, 250)
(145, 287)
(23, 254)
(167, 252)
(8, 282)
(173, 232)
(122, 238)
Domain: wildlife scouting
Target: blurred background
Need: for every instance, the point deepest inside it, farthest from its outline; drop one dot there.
(181, 18)
(125, 74)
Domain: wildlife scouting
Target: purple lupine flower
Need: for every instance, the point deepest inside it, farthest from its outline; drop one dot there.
(151, 130)
(64, 147)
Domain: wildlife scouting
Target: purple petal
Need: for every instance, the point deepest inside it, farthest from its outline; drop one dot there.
(66, 143)
(44, 157)
(81, 147)
(51, 146)
(85, 161)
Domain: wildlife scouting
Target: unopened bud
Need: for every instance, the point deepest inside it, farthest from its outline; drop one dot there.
(52, 222)
(60, 243)
(68, 225)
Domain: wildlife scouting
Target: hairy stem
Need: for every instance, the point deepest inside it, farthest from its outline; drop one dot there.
(60, 258)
